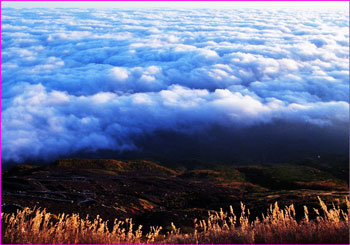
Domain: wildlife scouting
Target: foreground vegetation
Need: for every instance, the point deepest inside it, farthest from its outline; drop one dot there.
(331, 225)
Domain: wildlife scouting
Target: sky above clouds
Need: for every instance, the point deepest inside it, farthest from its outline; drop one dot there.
(93, 79)
(181, 4)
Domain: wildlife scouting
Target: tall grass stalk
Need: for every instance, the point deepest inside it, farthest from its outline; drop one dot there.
(37, 226)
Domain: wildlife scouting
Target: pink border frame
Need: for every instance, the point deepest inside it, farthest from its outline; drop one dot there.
(150, 1)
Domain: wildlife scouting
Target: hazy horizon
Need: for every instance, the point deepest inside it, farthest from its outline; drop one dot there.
(311, 5)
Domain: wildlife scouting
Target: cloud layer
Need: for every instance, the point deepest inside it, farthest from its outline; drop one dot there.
(88, 80)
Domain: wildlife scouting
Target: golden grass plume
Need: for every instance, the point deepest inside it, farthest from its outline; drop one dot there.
(36, 226)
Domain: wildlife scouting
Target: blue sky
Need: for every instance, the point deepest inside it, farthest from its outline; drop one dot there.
(178, 4)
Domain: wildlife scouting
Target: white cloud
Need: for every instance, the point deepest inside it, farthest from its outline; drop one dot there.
(119, 74)
(77, 80)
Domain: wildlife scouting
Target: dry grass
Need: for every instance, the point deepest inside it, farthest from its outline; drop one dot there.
(276, 226)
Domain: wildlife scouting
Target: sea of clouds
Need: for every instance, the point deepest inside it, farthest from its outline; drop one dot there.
(90, 79)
